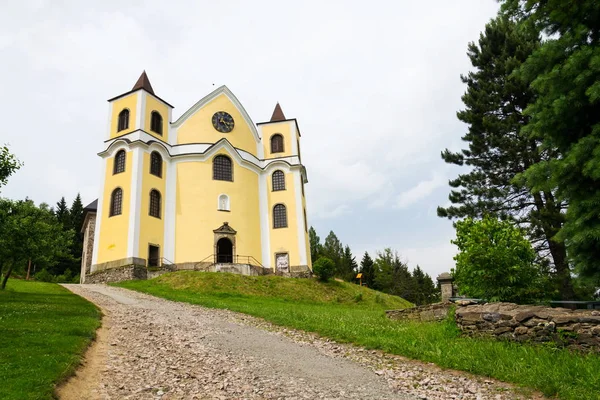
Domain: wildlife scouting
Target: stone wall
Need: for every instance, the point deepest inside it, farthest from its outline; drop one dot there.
(119, 274)
(575, 329)
(578, 329)
(431, 312)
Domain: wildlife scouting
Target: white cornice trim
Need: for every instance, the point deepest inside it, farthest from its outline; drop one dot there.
(210, 97)
(195, 151)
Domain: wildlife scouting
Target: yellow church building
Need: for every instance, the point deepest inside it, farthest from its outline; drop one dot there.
(210, 191)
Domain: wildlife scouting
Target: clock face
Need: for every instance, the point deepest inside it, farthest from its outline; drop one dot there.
(223, 122)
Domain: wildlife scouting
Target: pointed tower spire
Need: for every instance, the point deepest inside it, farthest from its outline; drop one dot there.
(277, 114)
(143, 83)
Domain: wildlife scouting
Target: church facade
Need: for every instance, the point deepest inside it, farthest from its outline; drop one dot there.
(210, 188)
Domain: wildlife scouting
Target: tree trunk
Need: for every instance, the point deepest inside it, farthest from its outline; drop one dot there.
(551, 226)
(28, 270)
(6, 276)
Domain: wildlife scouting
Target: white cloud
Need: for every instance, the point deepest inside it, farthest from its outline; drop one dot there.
(420, 191)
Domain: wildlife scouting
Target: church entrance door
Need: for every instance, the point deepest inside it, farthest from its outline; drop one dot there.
(224, 251)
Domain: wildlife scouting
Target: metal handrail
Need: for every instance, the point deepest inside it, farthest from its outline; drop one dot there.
(234, 260)
(164, 261)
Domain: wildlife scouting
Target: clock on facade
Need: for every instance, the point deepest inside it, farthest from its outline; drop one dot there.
(223, 122)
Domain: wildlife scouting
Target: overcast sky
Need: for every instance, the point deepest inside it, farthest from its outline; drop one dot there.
(374, 85)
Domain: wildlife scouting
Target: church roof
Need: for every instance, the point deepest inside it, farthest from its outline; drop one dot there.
(277, 114)
(93, 206)
(143, 83)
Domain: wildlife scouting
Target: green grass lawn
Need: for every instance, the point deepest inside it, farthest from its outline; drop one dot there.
(348, 313)
(44, 330)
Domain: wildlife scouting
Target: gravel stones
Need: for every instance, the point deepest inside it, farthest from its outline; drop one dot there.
(158, 349)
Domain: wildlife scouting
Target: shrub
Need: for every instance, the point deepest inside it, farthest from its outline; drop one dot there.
(324, 268)
(495, 262)
(44, 276)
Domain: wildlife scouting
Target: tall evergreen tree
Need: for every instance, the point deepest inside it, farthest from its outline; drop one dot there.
(315, 244)
(497, 153)
(349, 266)
(403, 283)
(76, 218)
(367, 269)
(334, 250)
(425, 290)
(565, 75)
(62, 213)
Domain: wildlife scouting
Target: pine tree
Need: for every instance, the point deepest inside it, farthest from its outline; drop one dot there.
(334, 250)
(349, 266)
(76, 214)
(368, 270)
(403, 283)
(425, 290)
(497, 151)
(315, 244)
(565, 75)
(62, 213)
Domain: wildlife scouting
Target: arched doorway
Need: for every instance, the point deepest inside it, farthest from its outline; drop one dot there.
(224, 251)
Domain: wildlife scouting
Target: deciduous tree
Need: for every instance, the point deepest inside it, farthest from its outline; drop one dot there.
(495, 262)
(29, 232)
(8, 164)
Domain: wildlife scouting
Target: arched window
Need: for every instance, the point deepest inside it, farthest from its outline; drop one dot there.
(222, 169)
(223, 203)
(156, 124)
(116, 200)
(156, 164)
(123, 120)
(278, 180)
(277, 143)
(155, 203)
(279, 216)
(119, 165)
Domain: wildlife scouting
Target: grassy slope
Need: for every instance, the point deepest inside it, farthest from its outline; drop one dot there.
(44, 330)
(331, 310)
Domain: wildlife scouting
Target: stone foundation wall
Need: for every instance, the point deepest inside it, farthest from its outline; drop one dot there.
(578, 329)
(430, 312)
(575, 329)
(119, 274)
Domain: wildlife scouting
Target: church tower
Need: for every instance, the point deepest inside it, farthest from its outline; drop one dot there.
(285, 186)
(210, 191)
(133, 179)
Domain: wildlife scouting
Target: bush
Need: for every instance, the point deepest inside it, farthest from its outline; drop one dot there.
(66, 277)
(495, 262)
(44, 276)
(324, 268)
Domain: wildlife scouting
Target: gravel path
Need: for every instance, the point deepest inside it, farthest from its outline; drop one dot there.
(151, 348)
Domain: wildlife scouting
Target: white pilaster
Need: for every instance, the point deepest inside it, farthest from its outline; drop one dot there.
(99, 214)
(140, 110)
(170, 210)
(263, 205)
(135, 204)
(300, 216)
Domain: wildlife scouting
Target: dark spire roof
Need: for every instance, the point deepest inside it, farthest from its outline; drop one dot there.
(143, 83)
(277, 114)
(93, 206)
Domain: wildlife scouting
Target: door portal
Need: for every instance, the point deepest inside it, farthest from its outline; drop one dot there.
(224, 251)
(153, 256)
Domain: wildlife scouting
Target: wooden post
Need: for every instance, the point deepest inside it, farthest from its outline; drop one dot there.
(28, 270)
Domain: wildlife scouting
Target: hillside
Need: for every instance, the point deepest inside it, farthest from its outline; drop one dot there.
(271, 287)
